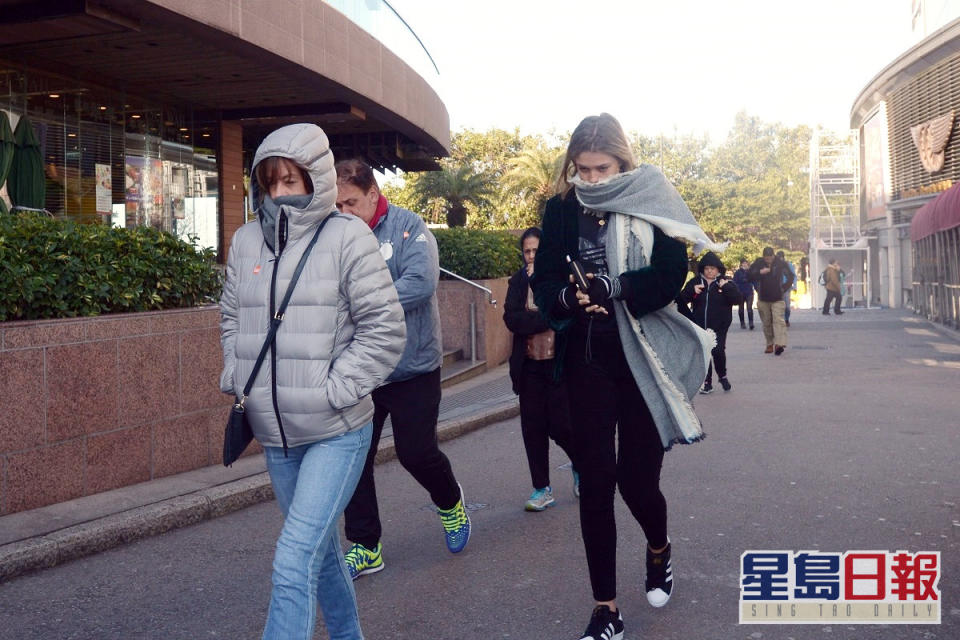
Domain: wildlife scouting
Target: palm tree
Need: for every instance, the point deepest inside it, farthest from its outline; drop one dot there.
(533, 175)
(457, 186)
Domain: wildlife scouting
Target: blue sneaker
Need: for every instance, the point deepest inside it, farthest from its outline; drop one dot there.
(456, 525)
(540, 499)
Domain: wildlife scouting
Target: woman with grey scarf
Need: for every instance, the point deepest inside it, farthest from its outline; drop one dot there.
(630, 360)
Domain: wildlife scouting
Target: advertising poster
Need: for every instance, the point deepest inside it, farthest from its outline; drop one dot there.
(143, 188)
(104, 189)
(874, 191)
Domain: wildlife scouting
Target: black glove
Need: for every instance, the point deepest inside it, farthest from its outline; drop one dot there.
(601, 290)
(568, 297)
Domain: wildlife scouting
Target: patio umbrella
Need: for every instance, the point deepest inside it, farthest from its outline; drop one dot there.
(6, 153)
(26, 183)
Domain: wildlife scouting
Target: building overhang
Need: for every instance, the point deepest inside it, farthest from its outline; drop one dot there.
(933, 49)
(241, 61)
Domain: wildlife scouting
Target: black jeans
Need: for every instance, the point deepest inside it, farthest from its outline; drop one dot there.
(604, 403)
(748, 301)
(719, 353)
(831, 295)
(544, 415)
(413, 406)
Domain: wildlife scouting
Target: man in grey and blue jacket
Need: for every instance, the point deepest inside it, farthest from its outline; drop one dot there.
(411, 394)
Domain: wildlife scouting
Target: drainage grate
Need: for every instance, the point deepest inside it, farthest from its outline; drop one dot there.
(498, 390)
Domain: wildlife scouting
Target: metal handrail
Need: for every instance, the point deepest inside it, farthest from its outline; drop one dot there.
(472, 284)
(473, 310)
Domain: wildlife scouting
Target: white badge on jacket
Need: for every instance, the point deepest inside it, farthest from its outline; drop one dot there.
(386, 250)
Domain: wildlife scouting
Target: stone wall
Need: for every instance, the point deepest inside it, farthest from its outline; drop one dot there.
(93, 404)
(99, 403)
(493, 339)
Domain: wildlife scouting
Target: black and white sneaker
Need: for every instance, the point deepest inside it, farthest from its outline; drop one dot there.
(659, 577)
(604, 625)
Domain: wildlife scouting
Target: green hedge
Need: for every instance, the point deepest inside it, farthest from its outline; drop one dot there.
(59, 269)
(477, 254)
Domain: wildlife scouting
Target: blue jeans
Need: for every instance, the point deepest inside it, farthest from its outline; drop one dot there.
(313, 485)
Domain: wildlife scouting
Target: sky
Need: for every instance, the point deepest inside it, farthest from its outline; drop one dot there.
(661, 67)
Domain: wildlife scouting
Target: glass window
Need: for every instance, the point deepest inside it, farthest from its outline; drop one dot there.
(115, 158)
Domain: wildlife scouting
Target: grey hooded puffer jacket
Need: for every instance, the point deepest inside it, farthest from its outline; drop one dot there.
(343, 331)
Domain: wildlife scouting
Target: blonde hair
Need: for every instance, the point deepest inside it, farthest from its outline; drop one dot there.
(601, 134)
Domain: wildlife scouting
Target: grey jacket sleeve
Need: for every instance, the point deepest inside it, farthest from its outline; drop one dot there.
(420, 266)
(379, 330)
(229, 323)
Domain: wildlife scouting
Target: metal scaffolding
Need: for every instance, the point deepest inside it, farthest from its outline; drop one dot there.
(835, 216)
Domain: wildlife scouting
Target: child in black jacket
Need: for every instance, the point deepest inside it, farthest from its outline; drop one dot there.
(708, 300)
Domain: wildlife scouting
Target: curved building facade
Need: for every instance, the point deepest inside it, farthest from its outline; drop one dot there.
(148, 111)
(908, 117)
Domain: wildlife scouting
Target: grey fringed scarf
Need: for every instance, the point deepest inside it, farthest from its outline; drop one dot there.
(668, 354)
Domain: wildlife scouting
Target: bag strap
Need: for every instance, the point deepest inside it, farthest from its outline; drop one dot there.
(278, 317)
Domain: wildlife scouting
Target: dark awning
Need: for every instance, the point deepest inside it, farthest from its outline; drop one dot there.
(940, 214)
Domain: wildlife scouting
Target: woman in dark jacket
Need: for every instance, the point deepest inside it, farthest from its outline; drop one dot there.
(710, 298)
(620, 223)
(544, 412)
(741, 277)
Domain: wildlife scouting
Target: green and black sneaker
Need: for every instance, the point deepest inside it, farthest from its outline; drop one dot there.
(361, 561)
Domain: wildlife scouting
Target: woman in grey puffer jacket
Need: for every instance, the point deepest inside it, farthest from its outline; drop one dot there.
(342, 334)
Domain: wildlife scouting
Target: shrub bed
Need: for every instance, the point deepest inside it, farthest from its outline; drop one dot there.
(478, 254)
(60, 269)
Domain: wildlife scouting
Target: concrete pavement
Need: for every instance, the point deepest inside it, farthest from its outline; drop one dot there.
(847, 441)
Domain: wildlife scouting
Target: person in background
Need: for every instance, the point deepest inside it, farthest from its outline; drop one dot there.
(342, 335)
(710, 298)
(833, 277)
(790, 289)
(741, 277)
(544, 410)
(803, 277)
(772, 278)
(630, 360)
(411, 395)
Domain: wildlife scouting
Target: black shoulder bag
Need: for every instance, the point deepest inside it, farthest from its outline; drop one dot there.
(238, 433)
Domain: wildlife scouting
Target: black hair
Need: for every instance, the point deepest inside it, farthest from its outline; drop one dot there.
(532, 232)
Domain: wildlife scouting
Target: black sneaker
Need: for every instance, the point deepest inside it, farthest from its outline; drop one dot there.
(706, 388)
(659, 577)
(725, 384)
(604, 625)
(751, 326)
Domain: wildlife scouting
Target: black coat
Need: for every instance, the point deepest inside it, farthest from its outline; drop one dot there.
(644, 290)
(712, 307)
(521, 321)
(771, 286)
